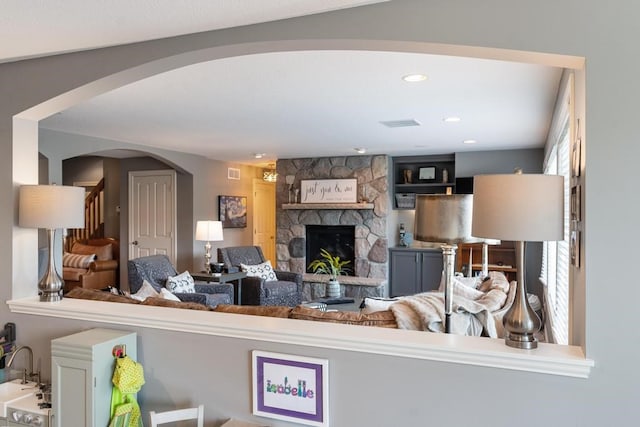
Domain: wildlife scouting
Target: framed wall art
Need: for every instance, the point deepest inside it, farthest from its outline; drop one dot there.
(574, 244)
(575, 203)
(291, 388)
(232, 211)
(576, 153)
(428, 173)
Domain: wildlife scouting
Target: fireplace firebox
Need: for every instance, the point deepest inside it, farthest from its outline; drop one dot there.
(338, 240)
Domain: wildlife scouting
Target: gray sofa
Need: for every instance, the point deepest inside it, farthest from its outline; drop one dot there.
(155, 269)
(287, 290)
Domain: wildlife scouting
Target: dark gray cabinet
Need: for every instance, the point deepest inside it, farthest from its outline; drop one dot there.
(414, 270)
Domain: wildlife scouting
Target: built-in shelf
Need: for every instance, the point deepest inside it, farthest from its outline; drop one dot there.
(327, 206)
(414, 175)
(437, 184)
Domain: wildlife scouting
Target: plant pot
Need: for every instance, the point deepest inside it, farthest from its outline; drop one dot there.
(333, 289)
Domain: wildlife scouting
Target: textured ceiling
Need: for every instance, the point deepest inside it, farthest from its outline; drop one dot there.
(31, 28)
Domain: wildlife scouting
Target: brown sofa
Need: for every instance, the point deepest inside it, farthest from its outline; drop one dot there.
(101, 272)
(383, 319)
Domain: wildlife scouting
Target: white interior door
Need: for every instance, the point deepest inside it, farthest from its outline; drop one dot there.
(152, 213)
(264, 218)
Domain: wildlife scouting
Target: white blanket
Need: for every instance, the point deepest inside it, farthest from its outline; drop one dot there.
(474, 310)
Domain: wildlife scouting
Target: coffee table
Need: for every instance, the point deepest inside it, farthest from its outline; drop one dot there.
(223, 278)
(334, 304)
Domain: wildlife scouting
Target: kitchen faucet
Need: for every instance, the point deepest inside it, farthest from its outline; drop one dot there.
(31, 374)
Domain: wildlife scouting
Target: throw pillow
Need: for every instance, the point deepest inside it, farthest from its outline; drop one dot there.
(469, 282)
(264, 271)
(145, 291)
(181, 284)
(77, 260)
(371, 305)
(165, 294)
(103, 253)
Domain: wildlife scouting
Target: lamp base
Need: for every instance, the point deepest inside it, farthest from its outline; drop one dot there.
(448, 261)
(51, 285)
(50, 296)
(524, 342)
(207, 257)
(520, 322)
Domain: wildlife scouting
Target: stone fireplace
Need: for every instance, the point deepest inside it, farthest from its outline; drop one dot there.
(367, 218)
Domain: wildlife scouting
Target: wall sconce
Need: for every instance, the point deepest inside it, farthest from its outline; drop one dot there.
(289, 179)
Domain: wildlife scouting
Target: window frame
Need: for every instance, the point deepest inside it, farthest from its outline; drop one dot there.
(555, 271)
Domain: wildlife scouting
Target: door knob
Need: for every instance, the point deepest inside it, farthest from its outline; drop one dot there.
(135, 242)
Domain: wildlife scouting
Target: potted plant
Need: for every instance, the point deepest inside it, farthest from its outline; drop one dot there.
(332, 266)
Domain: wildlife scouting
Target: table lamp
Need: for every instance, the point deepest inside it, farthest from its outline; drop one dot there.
(519, 207)
(51, 207)
(208, 231)
(445, 218)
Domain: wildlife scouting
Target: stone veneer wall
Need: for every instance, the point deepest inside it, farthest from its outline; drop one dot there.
(371, 255)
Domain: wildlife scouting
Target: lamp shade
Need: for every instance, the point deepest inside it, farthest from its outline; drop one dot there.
(444, 218)
(526, 207)
(209, 231)
(51, 206)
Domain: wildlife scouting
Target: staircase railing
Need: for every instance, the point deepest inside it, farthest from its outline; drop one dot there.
(93, 217)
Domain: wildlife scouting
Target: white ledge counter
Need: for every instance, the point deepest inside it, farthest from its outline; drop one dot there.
(550, 359)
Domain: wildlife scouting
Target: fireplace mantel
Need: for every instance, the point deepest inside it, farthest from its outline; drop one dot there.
(328, 206)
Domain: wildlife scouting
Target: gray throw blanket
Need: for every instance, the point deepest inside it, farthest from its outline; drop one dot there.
(473, 309)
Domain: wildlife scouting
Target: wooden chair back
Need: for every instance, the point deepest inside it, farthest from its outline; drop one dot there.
(158, 418)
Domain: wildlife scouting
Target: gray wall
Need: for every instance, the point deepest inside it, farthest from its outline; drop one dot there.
(382, 390)
(112, 212)
(500, 161)
(82, 169)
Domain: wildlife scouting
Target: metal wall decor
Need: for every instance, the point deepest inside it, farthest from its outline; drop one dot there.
(576, 153)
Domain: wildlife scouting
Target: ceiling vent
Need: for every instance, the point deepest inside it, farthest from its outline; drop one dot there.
(400, 123)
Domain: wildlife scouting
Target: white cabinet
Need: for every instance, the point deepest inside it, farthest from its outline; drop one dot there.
(81, 370)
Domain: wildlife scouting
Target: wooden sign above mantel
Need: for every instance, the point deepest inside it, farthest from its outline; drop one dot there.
(315, 191)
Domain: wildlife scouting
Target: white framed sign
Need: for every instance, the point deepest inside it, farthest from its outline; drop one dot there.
(291, 388)
(329, 191)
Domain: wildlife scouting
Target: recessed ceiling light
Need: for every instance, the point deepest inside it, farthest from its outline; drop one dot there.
(400, 123)
(413, 78)
(360, 150)
(452, 119)
(259, 155)
(469, 141)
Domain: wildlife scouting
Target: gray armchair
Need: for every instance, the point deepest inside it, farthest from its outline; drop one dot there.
(287, 290)
(155, 269)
